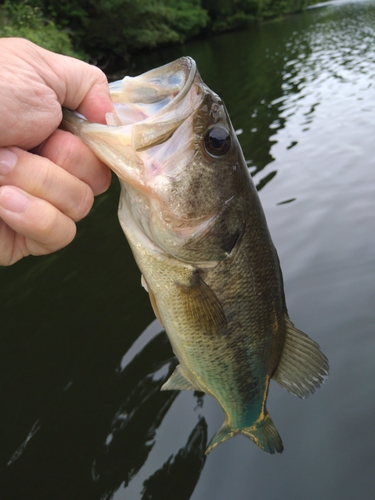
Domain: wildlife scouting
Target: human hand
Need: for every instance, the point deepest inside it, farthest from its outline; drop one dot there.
(48, 177)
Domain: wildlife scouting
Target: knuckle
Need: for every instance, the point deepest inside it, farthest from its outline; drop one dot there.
(49, 225)
(65, 151)
(103, 180)
(99, 76)
(81, 209)
(55, 230)
(45, 180)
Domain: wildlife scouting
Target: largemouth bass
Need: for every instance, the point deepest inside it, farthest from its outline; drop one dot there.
(193, 219)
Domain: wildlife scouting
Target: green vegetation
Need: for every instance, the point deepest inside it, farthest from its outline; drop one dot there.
(122, 27)
(24, 20)
(231, 14)
(117, 28)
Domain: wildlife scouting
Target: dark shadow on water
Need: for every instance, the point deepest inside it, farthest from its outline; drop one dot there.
(100, 437)
(265, 180)
(131, 433)
(180, 473)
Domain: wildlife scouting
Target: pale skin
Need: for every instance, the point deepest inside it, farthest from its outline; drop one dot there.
(48, 177)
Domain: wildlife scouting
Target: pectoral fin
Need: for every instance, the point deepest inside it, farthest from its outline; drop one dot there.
(203, 306)
(302, 367)
(178, 381)
(152, 299)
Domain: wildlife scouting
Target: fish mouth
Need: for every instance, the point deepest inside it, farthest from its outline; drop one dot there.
(148, 109)
(160, 85)
(155, 103)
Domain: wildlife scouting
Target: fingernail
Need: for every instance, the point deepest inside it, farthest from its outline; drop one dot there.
(7, 160)
(12, 199)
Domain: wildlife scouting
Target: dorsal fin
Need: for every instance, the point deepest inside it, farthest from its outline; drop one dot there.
(303, 367)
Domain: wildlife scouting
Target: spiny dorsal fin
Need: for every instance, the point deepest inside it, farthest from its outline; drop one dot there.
(203, 306)
(302, 367)
(178, 381)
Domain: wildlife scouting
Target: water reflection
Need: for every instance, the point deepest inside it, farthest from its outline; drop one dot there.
(179, 475)
(142, 407)
(132, 431)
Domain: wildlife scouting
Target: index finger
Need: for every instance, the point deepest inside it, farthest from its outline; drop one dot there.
(86, 89)
(77, 85)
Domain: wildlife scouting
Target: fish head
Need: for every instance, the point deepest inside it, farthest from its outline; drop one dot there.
(172, 145)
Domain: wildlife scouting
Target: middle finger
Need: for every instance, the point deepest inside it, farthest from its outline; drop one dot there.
(43, 179)
(71, 153)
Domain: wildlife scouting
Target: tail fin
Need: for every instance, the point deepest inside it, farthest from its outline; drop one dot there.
(264, 434)
(224, 433)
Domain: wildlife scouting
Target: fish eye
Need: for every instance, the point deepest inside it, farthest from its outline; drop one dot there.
(217, 141)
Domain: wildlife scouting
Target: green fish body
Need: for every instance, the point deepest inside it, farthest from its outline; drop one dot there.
(193, 219)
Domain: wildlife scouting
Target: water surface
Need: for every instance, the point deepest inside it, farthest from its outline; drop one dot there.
(82, 360)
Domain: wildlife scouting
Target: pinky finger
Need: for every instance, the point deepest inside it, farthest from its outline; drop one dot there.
(30, 226)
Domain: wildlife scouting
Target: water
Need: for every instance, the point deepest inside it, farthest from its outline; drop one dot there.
(81, 413)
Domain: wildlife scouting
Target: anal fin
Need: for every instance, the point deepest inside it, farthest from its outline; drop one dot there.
(178, 381)
(302, 368)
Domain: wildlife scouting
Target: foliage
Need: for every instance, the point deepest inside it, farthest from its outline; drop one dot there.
(20, 19)
(276, 8)
(118, 28)
(121, 27)
(230, 14)
(142, 24)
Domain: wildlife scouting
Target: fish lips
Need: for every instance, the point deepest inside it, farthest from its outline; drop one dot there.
(163, 99)
(149, 108)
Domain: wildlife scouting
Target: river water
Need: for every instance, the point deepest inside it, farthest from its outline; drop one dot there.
(82, 359)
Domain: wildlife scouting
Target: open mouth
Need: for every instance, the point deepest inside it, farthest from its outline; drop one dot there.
(152, 92)
(148, 110)
(158, 99)
(153, 104)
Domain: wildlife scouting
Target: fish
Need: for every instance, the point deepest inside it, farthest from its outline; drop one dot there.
(197, 230)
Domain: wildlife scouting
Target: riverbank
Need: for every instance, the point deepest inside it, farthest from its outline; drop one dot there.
(111, 31)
